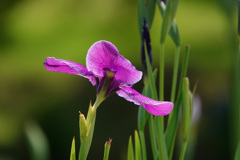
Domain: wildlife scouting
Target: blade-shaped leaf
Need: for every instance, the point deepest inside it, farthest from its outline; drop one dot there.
(73, 154)
(168, 18)
(151, 5)
(171, 130)
(138, 155)
(130, 149)
(107, 147)
(174, 33)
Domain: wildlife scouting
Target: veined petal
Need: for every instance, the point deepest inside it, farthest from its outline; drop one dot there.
(60, 65)
(158, 108)
(104, 55)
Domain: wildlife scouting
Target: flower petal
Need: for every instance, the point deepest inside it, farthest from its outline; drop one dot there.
(60, 65)
(104, 55)
(158, 108)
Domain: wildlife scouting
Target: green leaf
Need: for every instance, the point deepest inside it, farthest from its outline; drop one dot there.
(151, 5)
(175, 73)
(162, 150)
(143, 144)
(168, 18)
(107, 147)
(73, 154)
(141, 14)
(174, 33)
(130, 149)
(37, 141)
(138, 155)
(171, 130)
(152, 134)
(151, 78)
(237, 154)
(185, 106)
(173, 118)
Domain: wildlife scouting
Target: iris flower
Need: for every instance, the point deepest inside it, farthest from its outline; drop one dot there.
(112, 73)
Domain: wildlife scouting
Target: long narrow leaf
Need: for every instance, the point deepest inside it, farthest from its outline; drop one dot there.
(151, 5)
(143, 144)
(174, 33)
(107, 147)
(183, 73)
(138, 155)
(141, 14)
(237, 154)
(73, 154)
(130, 149)
(168, 18)
(151, 78)
(171, 130)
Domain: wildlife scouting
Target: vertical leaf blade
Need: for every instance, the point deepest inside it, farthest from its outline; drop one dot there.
(130, 149)
(107, 147)
(73, 154)
(138, 155)
(151, 5)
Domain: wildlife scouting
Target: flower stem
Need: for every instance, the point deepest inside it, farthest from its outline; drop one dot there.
(175, 73)
(152, 136)
(159, 121)
(143, 144)
(183, 150)
(161, 73)
(86, 138)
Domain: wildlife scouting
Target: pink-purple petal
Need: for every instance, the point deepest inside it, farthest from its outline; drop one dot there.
(60, 65)
(158, 108)
(104, 55)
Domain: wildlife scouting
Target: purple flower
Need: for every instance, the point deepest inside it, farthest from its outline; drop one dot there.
(111, 73)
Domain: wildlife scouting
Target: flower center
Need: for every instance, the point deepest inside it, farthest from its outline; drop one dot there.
(105, 84)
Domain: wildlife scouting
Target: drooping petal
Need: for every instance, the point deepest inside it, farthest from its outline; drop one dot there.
(104, 55)
(60, 65)
(158, 108)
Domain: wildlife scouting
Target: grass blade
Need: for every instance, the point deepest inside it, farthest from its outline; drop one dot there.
(73, 154)
(138, 155)
(130, 149)
(107, 147)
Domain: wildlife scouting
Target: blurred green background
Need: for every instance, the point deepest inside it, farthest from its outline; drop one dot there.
(31, 30)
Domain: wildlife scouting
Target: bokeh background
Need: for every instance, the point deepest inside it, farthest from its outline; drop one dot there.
(31, 30)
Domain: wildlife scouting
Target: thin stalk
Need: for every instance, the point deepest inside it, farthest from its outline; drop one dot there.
(162, 151)
(107, 147)
(184, 147)
(238, 89)
(175, 73)
(159, 121)
(86, 140)
(152, 136)
(143, 144)
(161, 73)
(183, 74)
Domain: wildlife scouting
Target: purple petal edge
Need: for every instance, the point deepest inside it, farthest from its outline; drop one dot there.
(64, 66)
(157, 108)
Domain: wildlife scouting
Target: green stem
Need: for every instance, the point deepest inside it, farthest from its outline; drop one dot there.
(162, 151)
(184, 147)
(143, 144)
(86, 141)
(152, 136)
(175, 73)
(107, 147)
(159, 121)
(161, 73)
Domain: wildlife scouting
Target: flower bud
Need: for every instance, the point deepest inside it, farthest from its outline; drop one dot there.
(83, 126)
